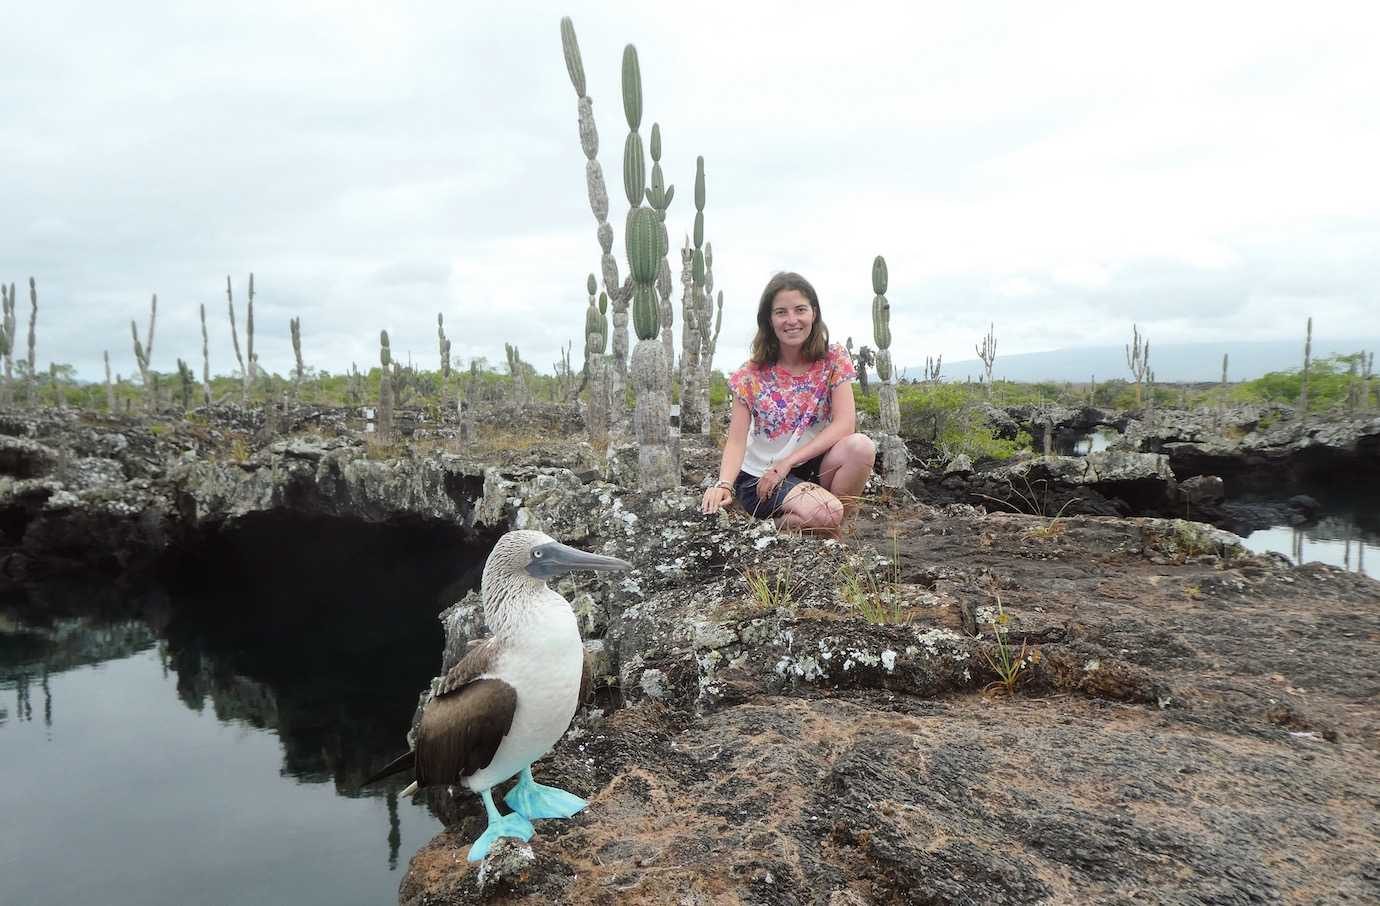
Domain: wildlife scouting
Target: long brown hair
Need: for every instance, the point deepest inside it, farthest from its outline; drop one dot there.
(766, 348)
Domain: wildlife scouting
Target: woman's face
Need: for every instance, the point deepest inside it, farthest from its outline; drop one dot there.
(791, 318)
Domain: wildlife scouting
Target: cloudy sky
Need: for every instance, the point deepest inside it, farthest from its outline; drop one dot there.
(1206, 170)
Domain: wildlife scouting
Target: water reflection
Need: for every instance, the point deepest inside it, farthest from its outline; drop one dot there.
(1334, 540)
(33, 654)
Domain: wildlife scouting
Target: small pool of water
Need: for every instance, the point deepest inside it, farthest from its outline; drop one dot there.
(1082, 445)
(1334, 540)
(204, 741)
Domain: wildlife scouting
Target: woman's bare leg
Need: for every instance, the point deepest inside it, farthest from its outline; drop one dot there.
(846, 468)
(810, 508)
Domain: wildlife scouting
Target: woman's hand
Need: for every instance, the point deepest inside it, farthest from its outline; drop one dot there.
(716, 498)
(770, 479)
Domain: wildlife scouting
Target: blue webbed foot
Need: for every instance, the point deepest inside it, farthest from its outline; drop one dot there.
(499, 826)
(534, 800)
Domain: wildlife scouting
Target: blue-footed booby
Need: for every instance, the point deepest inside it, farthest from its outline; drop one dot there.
(512, 696)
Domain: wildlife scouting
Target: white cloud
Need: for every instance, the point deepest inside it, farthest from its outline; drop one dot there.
(1063, 171)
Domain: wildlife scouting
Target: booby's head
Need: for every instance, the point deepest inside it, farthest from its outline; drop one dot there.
(522, 557)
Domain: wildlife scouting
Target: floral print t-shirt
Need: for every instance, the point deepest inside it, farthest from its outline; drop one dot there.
(788, 410)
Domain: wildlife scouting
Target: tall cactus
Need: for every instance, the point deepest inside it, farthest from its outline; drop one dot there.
(384, 421)
(235, 338)
(443, 349)
(1367, 370)
(619, 293)
(1222, 395)
(143, 352)
(881, 332)
(690, 338)
(694, 399)
(644, 239)
(465, 406)
(596, 321)
(1307, 366)
(205, 360)
(893, 450)
(109, 389)
(33, 323)
(709, 339)
(599, 369)
(7, 340)
(252, 373)
(295, 328)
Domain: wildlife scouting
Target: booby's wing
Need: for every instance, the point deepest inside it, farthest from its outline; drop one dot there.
(460, 733)
(463, 726)
(478, 660)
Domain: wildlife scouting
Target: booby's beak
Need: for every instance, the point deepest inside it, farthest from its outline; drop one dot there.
(556, 559)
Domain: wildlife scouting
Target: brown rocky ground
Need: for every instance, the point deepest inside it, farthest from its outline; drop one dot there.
(1193, 726)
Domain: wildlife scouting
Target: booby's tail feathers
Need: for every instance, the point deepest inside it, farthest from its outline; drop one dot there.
(402, 763)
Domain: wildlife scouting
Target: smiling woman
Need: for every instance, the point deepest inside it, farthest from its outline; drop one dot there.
(793, 451)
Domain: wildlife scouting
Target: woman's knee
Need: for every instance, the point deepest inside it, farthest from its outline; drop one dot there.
(816, 507)
(859, 448)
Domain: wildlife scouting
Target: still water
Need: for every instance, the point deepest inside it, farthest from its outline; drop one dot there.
(208, 749)
(1345, 532)
(1334, 540)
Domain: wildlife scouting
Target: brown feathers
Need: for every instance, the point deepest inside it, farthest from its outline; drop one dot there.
(461, 731)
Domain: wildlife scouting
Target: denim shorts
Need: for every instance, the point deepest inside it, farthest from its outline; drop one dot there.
(745, 488)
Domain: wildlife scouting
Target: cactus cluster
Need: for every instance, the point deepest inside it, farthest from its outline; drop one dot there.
(517, 369)
(1138, 359)
(988, 353)
(862, 360)
(186, 380)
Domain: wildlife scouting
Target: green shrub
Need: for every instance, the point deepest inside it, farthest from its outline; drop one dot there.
(1329, 379)
(949, 417)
